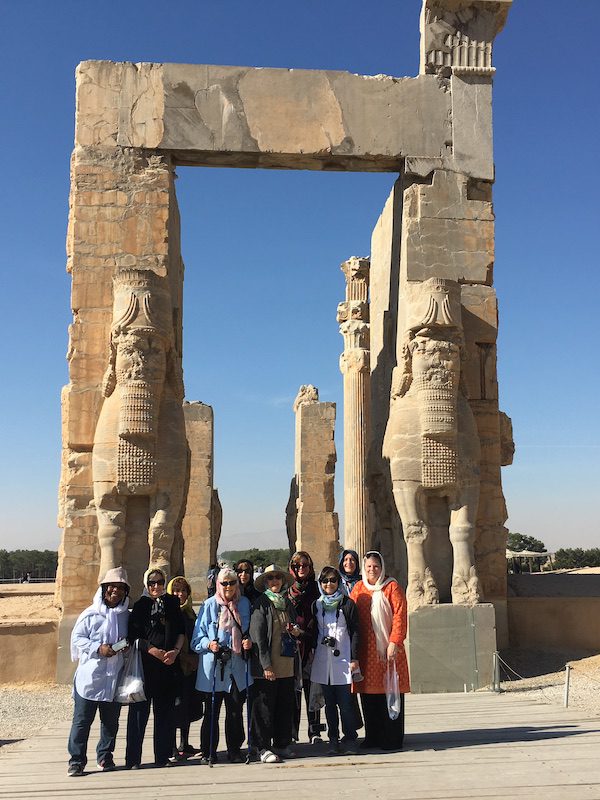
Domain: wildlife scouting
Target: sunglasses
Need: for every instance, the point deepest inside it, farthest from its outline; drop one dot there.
(244, 571)
(228, 583)
(329, 580)
(273, 578)
(302, 565)
(156, 583)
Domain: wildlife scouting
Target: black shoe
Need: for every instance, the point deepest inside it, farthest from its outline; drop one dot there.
(207, 760)
(366, 744)
(235, 757)
(133, 766)
(106, 765)
(188, 750)
(75, 770)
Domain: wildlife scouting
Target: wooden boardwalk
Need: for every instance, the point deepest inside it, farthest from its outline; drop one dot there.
(457, 746)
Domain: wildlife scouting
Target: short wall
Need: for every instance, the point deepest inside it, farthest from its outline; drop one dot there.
(556, 623)
(28, 651)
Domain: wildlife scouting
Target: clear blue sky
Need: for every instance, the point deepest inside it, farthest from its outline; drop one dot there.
(263, 248)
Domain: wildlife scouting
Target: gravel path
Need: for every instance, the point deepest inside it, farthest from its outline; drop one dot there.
(24, 711)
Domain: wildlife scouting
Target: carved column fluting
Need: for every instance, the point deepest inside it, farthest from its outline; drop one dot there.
(353, 316)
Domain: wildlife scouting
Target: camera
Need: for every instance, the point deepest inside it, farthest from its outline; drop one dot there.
(329, 641)
(223, 654)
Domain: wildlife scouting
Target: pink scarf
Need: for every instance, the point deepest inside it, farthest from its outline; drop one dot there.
(229, 618)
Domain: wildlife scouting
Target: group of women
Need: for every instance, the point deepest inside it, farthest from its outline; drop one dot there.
(267, 643)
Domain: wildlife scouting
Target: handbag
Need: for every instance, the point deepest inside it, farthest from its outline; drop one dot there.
(130, 686)
(392, 691)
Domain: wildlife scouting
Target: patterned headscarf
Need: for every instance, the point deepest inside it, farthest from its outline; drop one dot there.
(229, 618)
(188, 607)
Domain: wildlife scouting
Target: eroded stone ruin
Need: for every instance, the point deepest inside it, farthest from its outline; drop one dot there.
(135, 124)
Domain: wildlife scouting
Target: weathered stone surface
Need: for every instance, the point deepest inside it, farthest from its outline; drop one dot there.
(457, 35)
(313, 524)
(200, 541)
(241, 116)
(353, 316)
(446, 234)
(433, 446)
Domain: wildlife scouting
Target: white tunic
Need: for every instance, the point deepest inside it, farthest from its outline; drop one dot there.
(327, 668)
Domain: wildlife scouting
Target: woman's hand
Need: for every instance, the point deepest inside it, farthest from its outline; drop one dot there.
(269, 675)
(157, 653)
(247, 644)
(353, 666)
(295, 631)
(106, 651)
(392, 649)
(214, 646)
(170, 657)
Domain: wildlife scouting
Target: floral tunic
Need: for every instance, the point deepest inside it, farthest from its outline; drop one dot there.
(371, 666)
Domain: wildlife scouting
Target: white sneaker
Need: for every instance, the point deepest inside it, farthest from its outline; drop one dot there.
(268, 757)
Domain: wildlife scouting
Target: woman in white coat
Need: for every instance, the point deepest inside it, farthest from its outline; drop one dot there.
(96, 632)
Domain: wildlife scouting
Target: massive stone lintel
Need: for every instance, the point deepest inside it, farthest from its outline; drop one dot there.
(311, 521)
(247, 117)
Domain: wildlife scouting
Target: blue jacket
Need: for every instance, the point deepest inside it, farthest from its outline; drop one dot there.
(206, 631)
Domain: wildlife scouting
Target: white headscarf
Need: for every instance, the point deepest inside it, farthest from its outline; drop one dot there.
(381, 610)
(110, 629)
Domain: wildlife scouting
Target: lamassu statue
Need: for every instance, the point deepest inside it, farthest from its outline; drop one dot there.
(433, 447)
(140, 449)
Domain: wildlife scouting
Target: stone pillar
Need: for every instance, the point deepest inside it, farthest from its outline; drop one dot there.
(200, 541)
(353, 316)
(316, 523)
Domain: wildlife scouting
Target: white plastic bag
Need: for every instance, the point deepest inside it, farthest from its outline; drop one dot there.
(392, 691)
(130, 687)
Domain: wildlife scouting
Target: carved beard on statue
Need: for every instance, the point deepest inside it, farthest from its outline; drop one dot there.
(140, 373)
(435, 376)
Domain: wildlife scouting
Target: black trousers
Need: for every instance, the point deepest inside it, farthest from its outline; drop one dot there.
(164, 729)
(314, 717)
(380, 730)
(272, 713)
(234, 720)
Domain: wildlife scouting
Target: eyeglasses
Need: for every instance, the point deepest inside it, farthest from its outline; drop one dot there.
(273, 577)
(301, 565)
(156, 583)
(228, 583)
(244, 571)
(328, 580)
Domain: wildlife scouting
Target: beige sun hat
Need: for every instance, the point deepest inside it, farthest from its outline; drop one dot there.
(273, 569)
(115, 575)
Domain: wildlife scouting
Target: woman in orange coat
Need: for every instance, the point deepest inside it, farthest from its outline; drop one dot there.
(382, 620)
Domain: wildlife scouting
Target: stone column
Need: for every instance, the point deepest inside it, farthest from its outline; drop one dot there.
(314, 526)
(353, 316)
(200, 541)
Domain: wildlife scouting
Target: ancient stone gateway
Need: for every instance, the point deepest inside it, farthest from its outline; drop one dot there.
(135, 124)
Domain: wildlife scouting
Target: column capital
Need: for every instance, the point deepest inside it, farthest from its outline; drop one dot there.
(307, 393)
(457, 35)
(356, 360)
(353, 310)
(356, 267)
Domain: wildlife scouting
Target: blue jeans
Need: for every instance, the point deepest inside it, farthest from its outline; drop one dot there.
(339, 697)
(83, 716)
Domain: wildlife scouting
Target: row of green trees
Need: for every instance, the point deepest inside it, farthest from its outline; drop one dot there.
(260, 558)
(576, 557)
(16, 564)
